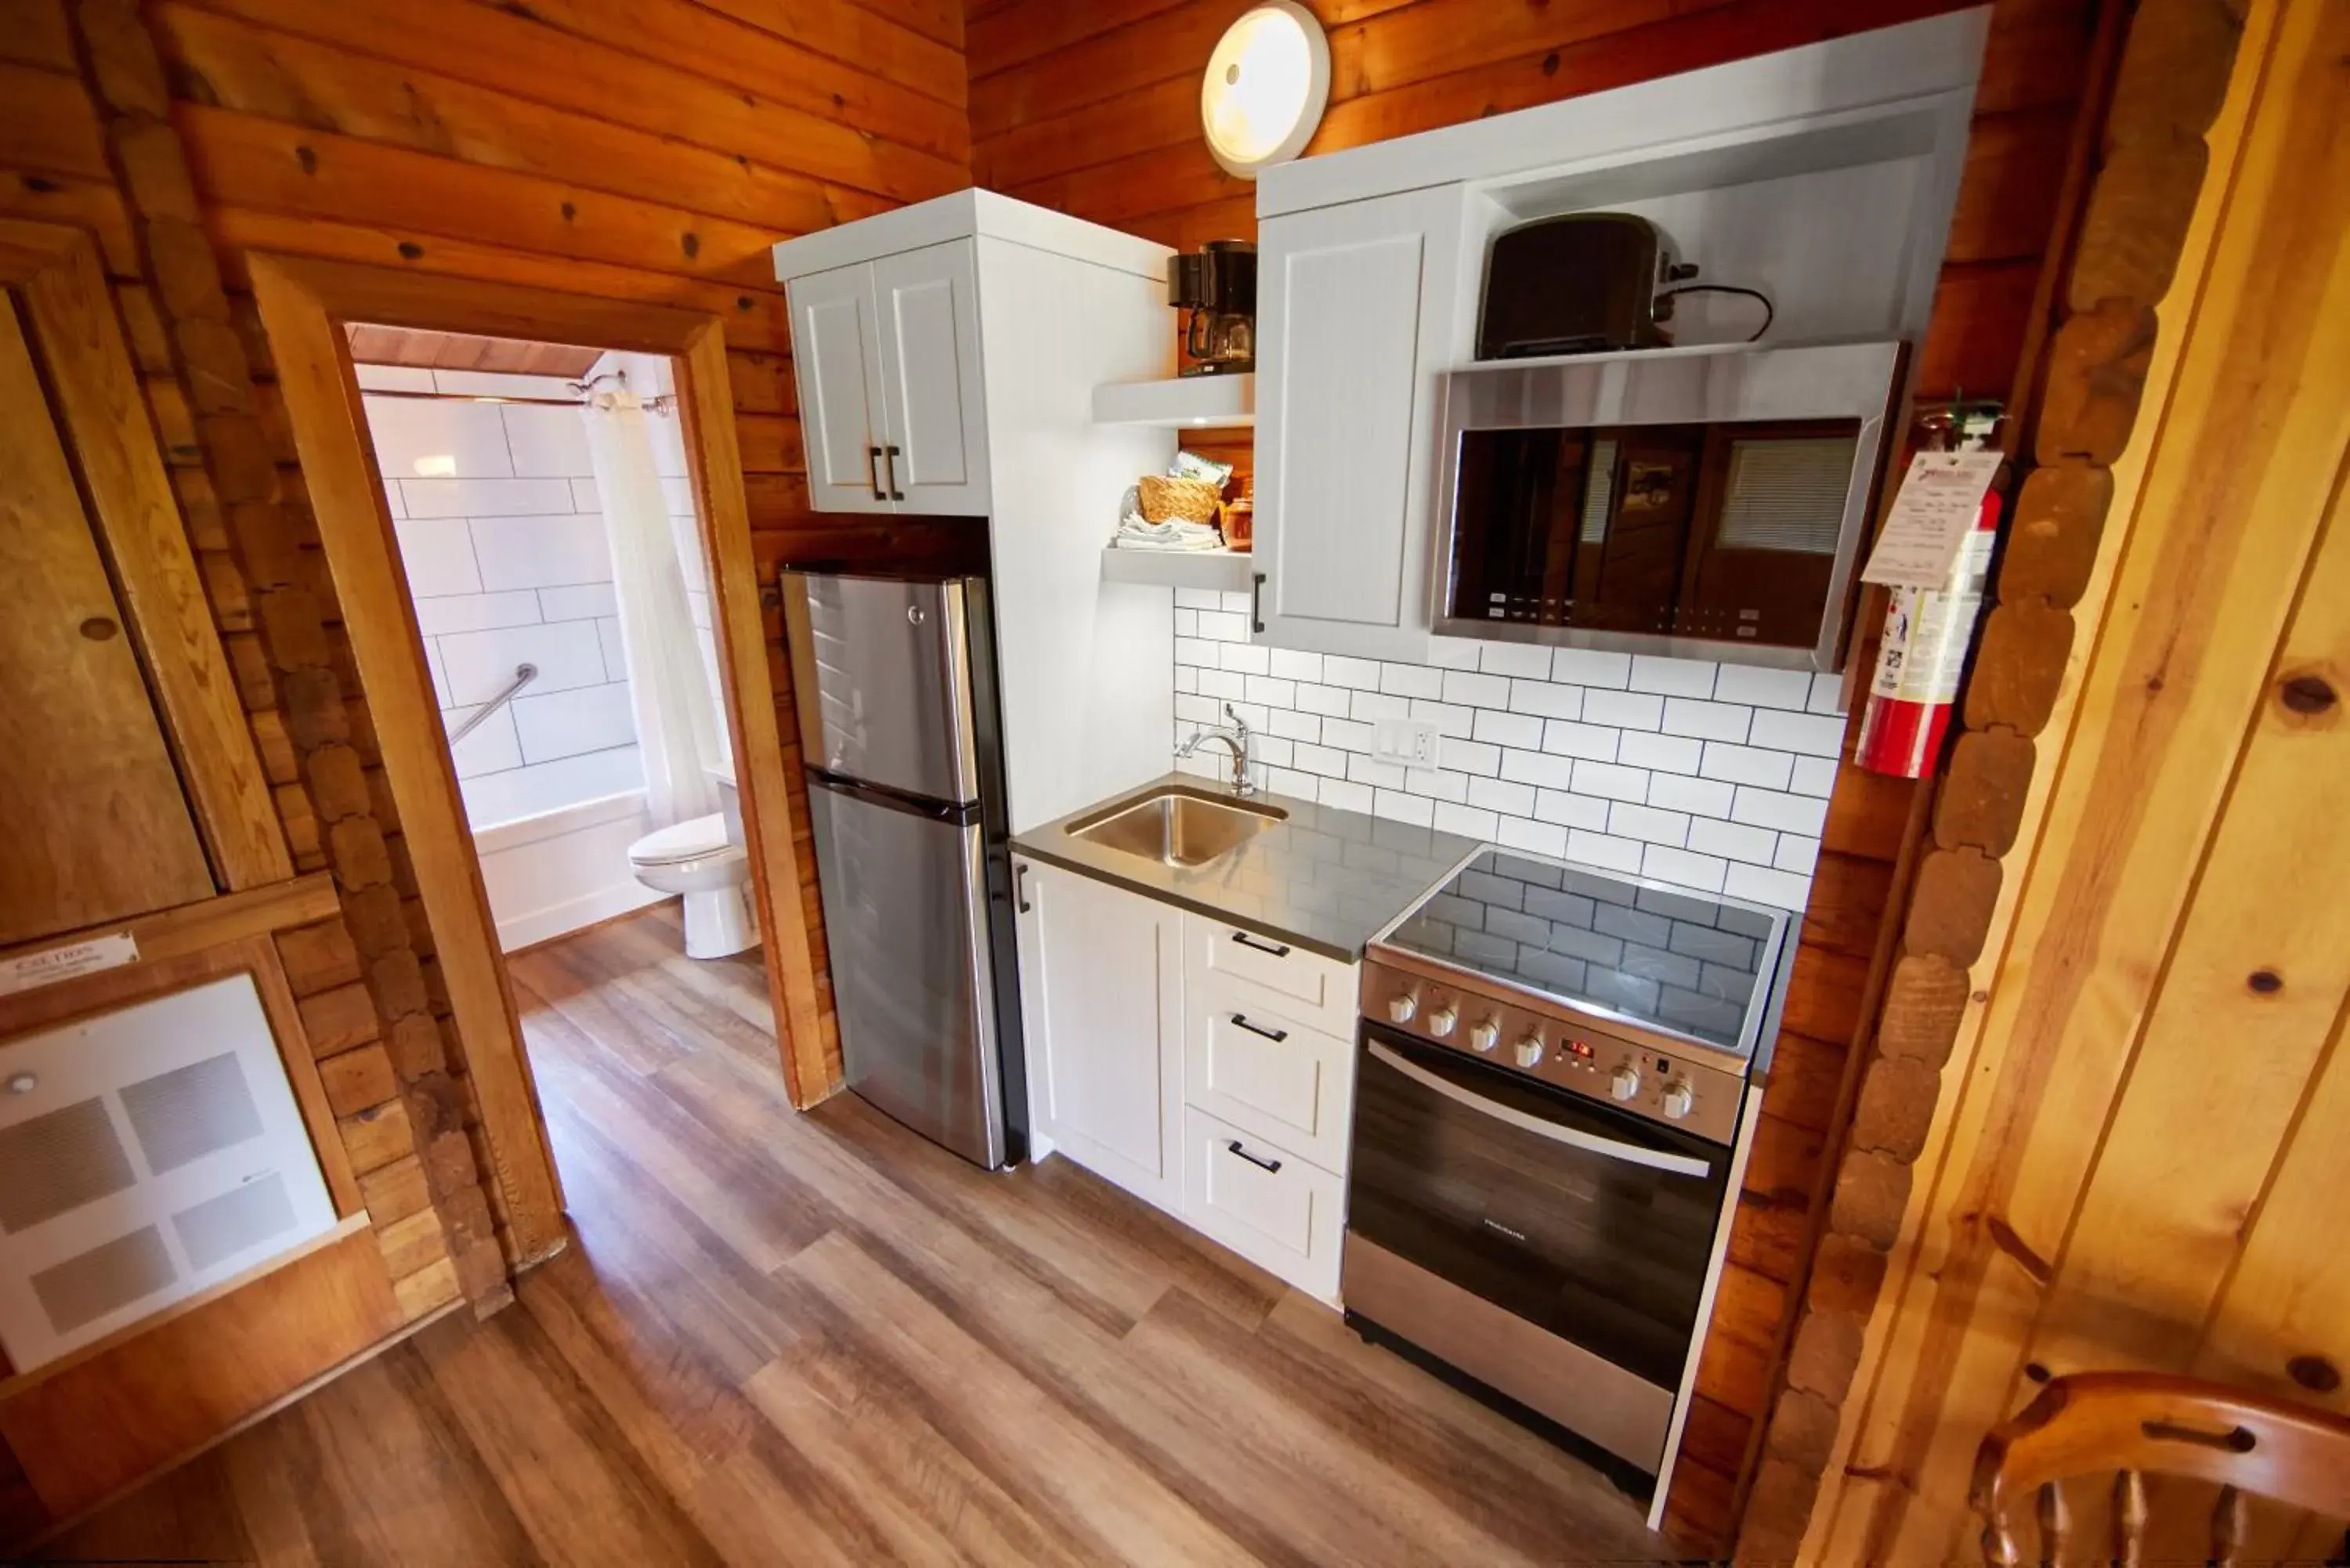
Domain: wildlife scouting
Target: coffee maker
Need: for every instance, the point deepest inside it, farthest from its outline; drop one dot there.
(1217, 283)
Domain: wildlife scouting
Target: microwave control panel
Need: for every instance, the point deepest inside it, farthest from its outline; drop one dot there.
(1560, 1046)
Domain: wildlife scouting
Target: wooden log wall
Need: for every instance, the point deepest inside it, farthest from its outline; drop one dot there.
(1094, 110)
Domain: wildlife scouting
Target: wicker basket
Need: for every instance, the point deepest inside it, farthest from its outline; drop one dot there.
(1168, 499)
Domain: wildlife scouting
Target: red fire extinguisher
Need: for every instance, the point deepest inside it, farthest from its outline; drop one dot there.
(1927, 632)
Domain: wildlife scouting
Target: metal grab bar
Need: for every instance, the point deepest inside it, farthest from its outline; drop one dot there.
(523, 675)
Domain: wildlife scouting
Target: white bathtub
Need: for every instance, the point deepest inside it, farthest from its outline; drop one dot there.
(564, 869)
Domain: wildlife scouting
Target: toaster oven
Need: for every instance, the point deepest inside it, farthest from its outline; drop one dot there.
(1706, 503)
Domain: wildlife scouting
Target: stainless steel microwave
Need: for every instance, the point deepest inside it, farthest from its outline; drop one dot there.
(1705, 502)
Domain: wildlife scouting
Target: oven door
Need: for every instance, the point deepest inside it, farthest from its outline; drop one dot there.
(1588, 1223)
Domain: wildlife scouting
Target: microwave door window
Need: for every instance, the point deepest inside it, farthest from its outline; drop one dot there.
(1628, 578)
(1773, 502)
(1514, 553)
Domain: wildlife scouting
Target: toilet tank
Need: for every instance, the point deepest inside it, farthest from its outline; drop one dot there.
(730, 804)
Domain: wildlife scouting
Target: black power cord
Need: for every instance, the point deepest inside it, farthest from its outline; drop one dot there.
(1769, 310)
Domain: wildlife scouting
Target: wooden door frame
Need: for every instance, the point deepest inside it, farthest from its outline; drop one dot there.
(304, 305)
(78, 341)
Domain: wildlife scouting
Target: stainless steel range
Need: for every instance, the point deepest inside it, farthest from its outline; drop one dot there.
(1554, 1104)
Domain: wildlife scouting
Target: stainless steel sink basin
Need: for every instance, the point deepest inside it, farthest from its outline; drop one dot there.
(1177, 826)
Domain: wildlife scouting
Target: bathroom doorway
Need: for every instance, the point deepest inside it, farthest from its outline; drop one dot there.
(486, 583)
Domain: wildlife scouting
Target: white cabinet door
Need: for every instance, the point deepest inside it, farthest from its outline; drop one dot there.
(934, 455)
(837, 351)
(1354, 322)
(1101, 978)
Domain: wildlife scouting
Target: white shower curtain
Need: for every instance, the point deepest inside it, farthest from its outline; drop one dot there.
(668, 688)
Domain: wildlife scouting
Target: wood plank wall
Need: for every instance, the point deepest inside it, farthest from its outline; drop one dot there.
(1094, 110)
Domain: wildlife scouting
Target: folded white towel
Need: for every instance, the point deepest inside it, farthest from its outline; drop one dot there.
(1133, 533)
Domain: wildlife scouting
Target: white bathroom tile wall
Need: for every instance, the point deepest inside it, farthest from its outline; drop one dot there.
(1709, 776)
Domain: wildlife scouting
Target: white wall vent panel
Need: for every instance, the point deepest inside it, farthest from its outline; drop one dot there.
(146, 1154)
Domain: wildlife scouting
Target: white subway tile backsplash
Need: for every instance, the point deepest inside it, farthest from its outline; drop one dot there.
(1700, 797)
(476, 612)
(1271, 750)
(1224, 683)
(1814, 734)
(1746, 765)
(1707, 720)
(1502, 795)
(1827, 694)
(1625, 710)
(1524, 660)
(1469, 756)
(1347, 735)
(1647, 824)
(1782, 888)
(1533, 837)
(1370, 707)
(1325, 760)
(1199, 599)
(1673, 753)
(1289, 782)
(1458, 723)
(1601, 849)
(1292, 725)
(1731, 840)
(1272, 691)
(1546, 700)
(1196, 710)
(1342, 795)
(1570, 810)
(1564, 738)
(1291, 665)
(1417, 810)
(1538, 769)
(1784, 813)
(1607, 779)
(1453, 652)
(541, 552)
(1437, 784)
(1331, 701)
(1193, 651)
(1187, 623)
(1499, 729)
(1476, 690)
(1814, 775)
(1365, 769)
(1588, 667)
(1243, 658)
(1238, 600)
(1763, 688)
(1468, 821)
(1411, 680)
(1355, 674)
(1667, 864)
(1797, 854)
(1222, 626)
(1672, 677)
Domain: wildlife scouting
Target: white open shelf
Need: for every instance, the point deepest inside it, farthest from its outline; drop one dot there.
(1227, 570)
(1187, 402)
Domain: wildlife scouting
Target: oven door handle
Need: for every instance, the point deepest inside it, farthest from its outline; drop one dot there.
(1606, 1148)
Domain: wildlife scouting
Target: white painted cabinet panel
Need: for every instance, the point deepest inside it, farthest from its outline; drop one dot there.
(1356, 320)
(836, 347)
(1101, 977)
(935, 452)
(1279, 1211)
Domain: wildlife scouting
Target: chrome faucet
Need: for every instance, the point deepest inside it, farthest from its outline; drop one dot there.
(1235, 735)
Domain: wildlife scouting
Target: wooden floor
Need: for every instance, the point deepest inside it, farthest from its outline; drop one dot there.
(817, 1339)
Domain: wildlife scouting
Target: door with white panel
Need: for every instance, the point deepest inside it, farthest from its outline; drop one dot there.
(1355, 321)
(934, 452)
(836, 343)
(1101, 976)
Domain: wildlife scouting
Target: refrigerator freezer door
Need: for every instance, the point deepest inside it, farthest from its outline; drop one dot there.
(905, 915)
(881, 672)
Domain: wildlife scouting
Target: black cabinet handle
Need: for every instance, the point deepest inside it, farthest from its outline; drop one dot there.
(1020, 887)
(1257, 602)
(891, 453)
(1275, 1035)
(1270, 1167)
(873, 471)
(1278, 949)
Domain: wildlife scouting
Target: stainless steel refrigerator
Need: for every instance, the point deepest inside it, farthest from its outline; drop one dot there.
(894, 679)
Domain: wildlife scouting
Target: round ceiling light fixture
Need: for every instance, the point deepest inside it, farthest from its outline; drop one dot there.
(1266, 86)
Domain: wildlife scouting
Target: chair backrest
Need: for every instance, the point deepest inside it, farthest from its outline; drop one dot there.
(2136, 1424)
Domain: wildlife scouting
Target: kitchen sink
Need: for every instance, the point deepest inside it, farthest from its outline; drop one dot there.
(1177, 826)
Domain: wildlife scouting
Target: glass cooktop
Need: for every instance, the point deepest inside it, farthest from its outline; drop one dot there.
(1681, 962)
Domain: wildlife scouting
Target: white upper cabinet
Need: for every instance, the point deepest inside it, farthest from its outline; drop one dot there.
(890, 391)
(1357, 318)
(934, 455)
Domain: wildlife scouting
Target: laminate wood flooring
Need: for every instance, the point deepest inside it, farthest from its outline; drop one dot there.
(783, 1338)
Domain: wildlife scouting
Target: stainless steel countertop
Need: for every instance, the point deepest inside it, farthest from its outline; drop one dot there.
(1326, 880)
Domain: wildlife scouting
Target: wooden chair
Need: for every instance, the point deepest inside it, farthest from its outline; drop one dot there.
(2137, 1424)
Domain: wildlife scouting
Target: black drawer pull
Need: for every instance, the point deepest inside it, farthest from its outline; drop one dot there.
(1270, 1167)
(1275, 1035)
(1020, 887)
(1278, 949)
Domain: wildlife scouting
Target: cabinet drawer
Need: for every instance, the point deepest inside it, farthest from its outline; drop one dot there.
(1313, 990)
(1266, 1071)
(1264, 1202)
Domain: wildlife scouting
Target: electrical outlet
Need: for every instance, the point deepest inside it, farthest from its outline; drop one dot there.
(1406, 741)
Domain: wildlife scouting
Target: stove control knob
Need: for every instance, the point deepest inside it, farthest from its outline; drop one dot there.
(1485, 1035)
(1440, 1022)
(1530, 1050)
(1626, 1083)
(1402, 1005)
(1679, 1101)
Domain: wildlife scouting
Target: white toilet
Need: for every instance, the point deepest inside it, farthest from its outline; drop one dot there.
(704, 859)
